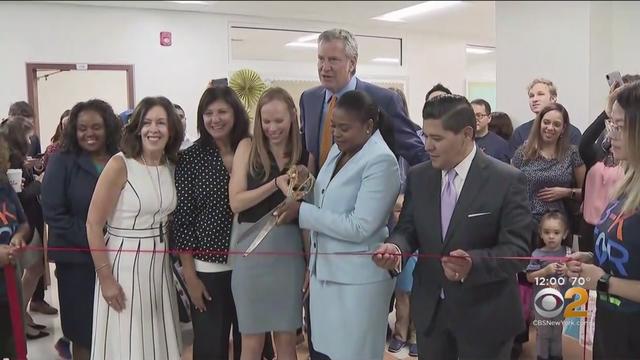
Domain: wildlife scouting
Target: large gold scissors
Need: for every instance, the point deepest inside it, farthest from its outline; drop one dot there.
(299, 186)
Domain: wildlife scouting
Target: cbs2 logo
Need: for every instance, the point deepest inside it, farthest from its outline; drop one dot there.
(549, 302)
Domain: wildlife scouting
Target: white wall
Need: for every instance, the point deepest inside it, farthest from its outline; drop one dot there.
(572, 48)
(600, 55)
(430, 60)
(625, 31)
(200, 51)
(581, 43)
(60, 33)
(548, 40)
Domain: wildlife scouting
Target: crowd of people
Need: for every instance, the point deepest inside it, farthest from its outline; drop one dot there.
(442, 213)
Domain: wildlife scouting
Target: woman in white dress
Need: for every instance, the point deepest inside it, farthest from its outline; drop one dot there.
(134, 314)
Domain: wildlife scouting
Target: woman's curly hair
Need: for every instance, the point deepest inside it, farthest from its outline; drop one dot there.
(112, 126)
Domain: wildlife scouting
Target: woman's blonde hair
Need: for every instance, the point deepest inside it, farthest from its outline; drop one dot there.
(629, 187)
(259, 160)
(533, 145)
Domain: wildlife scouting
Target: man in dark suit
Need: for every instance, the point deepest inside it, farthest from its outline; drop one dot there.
(337, 60)
(469, 209)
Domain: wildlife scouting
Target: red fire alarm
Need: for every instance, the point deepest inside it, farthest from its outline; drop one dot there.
(165, 38)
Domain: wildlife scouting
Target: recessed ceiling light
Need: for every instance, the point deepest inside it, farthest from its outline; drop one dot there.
(302, 44)
(192, 2)
(308, 38)
(387, 60)
(479, 50)
(400, 15)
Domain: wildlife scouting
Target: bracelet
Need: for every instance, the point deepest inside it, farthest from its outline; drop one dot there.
(275, 182)
(102, 267)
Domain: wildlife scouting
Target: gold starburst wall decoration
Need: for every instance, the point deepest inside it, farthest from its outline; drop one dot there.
(249, 86)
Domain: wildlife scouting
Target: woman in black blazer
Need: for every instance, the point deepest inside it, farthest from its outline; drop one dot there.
(90, 139)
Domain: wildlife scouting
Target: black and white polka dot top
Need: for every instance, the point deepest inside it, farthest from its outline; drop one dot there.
(203, 217)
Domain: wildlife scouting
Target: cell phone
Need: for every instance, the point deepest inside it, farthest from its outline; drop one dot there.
(614, 77)
(219, 82)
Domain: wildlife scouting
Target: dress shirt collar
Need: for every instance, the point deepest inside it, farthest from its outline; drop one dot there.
(462, 169)
(351, 85)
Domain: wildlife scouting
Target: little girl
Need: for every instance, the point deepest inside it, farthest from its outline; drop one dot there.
(550, 273)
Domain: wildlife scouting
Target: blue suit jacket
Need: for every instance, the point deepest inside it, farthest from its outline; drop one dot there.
(407, 142)
(350, 213)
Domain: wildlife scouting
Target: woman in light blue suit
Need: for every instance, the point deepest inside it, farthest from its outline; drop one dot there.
(353, 197)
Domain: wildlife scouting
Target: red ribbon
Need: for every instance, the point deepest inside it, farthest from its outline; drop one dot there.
(287, 253)
(15, 312)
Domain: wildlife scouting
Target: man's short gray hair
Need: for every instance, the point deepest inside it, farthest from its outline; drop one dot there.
(350, 43)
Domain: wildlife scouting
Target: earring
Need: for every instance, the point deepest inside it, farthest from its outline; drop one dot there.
(368, 132)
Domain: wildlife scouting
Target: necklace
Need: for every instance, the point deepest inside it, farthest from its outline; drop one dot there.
(547, 155)
(156, 191)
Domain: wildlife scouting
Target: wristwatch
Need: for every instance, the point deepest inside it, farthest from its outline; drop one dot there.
(603, 283)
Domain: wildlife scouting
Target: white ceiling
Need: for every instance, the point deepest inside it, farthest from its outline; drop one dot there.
(472, 20)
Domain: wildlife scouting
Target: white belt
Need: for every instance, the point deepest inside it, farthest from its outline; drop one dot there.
(138, 233)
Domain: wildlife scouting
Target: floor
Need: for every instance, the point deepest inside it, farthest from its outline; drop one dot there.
(42, 349)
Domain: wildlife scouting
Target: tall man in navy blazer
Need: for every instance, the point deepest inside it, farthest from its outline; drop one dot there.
(337, 60)
(469, 208)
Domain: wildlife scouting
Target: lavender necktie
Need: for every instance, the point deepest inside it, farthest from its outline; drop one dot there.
(448, 201)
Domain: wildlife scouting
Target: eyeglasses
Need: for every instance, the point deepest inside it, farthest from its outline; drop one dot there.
(480, 116)
(613, 130)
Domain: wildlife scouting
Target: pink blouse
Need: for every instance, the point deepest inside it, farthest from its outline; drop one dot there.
(600, 182)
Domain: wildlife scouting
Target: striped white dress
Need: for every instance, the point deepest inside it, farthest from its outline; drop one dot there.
(148, 327)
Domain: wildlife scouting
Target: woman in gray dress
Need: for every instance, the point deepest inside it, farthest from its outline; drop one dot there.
(268, 289)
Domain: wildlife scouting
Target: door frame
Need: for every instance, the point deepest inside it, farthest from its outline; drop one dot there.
(32, 81)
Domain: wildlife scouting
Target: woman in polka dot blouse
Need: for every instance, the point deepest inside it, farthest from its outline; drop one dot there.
(203, 218)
